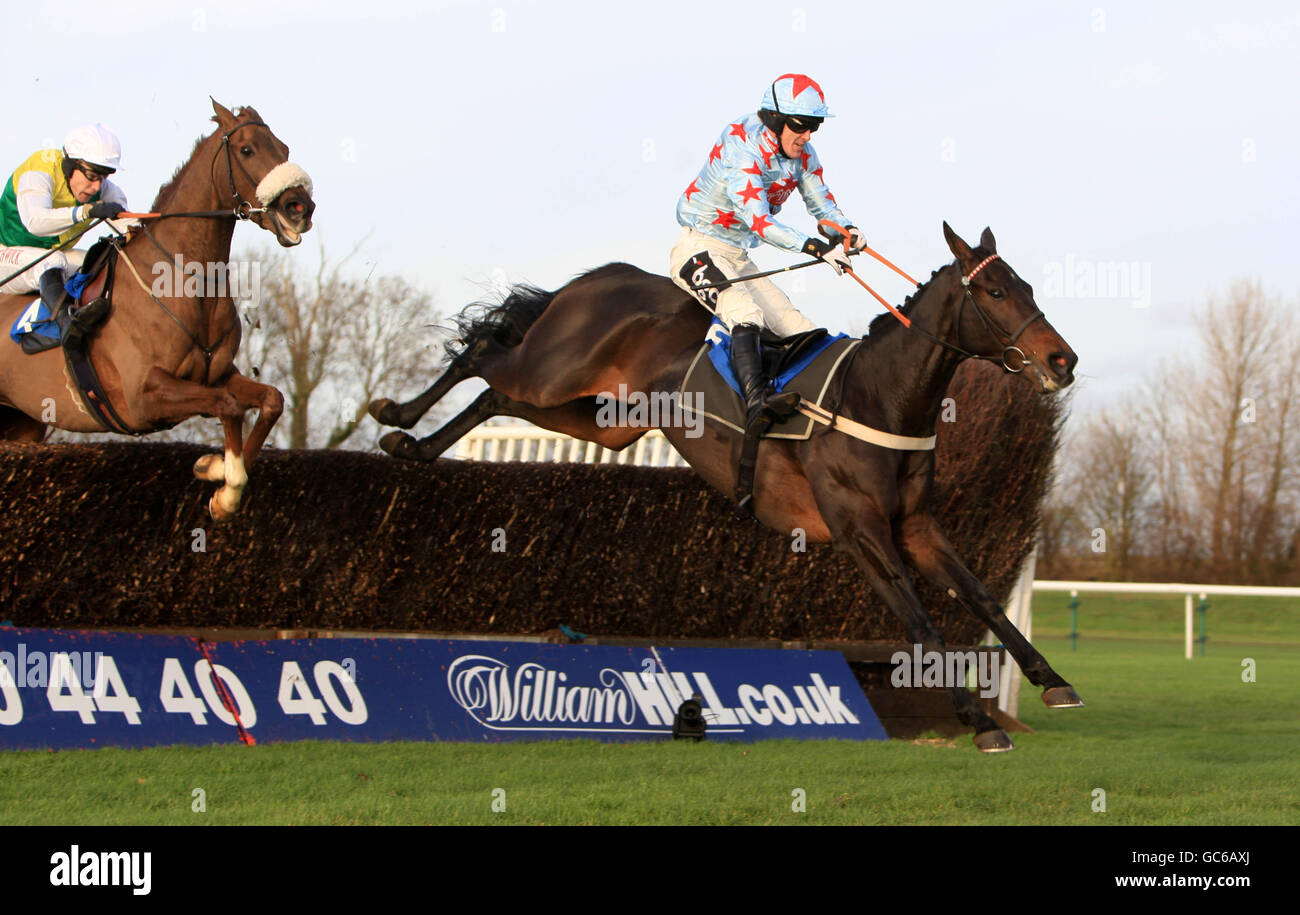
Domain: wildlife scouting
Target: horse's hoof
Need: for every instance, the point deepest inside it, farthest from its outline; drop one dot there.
(1062, 697)
(995, 741)
(399, 445)
(385, 412)
(218, 513)
(211, 467)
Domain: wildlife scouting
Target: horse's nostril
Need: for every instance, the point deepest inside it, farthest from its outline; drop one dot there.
(1060, 364)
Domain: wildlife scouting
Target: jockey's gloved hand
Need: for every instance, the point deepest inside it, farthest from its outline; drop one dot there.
(857, 241)
(831, 252)
(105, 210)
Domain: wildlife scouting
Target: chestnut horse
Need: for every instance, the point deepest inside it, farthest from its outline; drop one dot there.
(549, 356)
(163, 357)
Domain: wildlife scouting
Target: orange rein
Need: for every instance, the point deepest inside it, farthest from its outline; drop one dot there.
(835, 227)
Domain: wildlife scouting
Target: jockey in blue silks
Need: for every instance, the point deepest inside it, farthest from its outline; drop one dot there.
(758, 162)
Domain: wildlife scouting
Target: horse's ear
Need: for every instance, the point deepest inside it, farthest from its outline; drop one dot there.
(959, 248)
(223, 113)
(987, 241)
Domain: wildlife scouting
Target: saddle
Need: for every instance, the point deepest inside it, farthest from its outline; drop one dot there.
(36, 330)
(94, 280)
(804, 363)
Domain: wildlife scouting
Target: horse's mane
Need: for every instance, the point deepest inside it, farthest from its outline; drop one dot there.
(167, 190)
(885, 321)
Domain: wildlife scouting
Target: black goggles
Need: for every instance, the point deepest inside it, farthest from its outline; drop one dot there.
(93, 173)
(799, 125)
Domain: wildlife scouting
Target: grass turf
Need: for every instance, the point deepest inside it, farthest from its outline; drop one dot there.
(1169, 741)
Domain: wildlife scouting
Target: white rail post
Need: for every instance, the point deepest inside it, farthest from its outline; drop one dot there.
(1020, 613)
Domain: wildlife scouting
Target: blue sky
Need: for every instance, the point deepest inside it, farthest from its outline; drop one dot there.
(473, 144)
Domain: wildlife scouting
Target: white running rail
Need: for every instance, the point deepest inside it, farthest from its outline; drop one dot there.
(531, 443)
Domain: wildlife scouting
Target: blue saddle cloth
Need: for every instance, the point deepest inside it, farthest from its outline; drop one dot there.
(719, 341)
(36, 318)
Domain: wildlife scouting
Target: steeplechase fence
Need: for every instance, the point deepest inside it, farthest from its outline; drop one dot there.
(531, 443)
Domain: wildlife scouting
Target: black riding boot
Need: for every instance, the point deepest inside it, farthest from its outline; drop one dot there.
(78, 322)
(747, 363)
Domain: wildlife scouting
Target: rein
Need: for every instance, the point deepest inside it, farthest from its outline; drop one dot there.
(906, 443)
(243, 210)
(989, 324)
(59, 247)
(207, 350)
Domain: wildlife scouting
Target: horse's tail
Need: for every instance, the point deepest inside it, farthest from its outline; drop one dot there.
(504, 323)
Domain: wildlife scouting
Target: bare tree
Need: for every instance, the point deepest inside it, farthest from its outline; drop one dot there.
(332, 341)
(1172, 545)
(1111, 487)
(1196, 476)
(1221, 403)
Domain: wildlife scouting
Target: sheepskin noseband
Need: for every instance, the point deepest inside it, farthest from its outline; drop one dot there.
(280, 179)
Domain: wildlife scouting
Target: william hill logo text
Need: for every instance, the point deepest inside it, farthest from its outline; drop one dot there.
(532, 697)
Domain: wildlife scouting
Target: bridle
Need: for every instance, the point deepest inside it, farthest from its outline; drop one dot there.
(989, 324)
(831, 229)
(992, 326)
(243, 209)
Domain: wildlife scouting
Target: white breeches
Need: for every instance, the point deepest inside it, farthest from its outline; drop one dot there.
(758, 301)
(12, 259)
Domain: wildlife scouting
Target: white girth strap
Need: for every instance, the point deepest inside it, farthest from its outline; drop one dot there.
(280, 179)
(866, 433)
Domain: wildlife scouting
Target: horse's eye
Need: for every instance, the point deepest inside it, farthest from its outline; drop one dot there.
(246, 151)
(996, 293)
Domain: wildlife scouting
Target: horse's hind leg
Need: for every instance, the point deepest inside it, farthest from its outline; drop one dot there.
(430, 448)
(579, 418)
(388, 412)
(928, 550)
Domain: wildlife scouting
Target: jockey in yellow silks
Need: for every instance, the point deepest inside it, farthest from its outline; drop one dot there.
(49, 199)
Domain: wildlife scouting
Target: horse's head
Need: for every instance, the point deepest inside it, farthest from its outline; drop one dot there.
(1005, 323)
(252, 170)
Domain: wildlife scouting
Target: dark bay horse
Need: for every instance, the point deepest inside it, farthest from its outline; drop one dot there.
(548, 357)
(163, 357)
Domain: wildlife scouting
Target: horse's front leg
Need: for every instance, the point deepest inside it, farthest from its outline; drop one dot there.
(169, 400)
(859, 528)
(928, 550)
(269, 403)
(225, 501)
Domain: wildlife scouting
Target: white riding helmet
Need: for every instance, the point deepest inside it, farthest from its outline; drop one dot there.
(95, 145)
